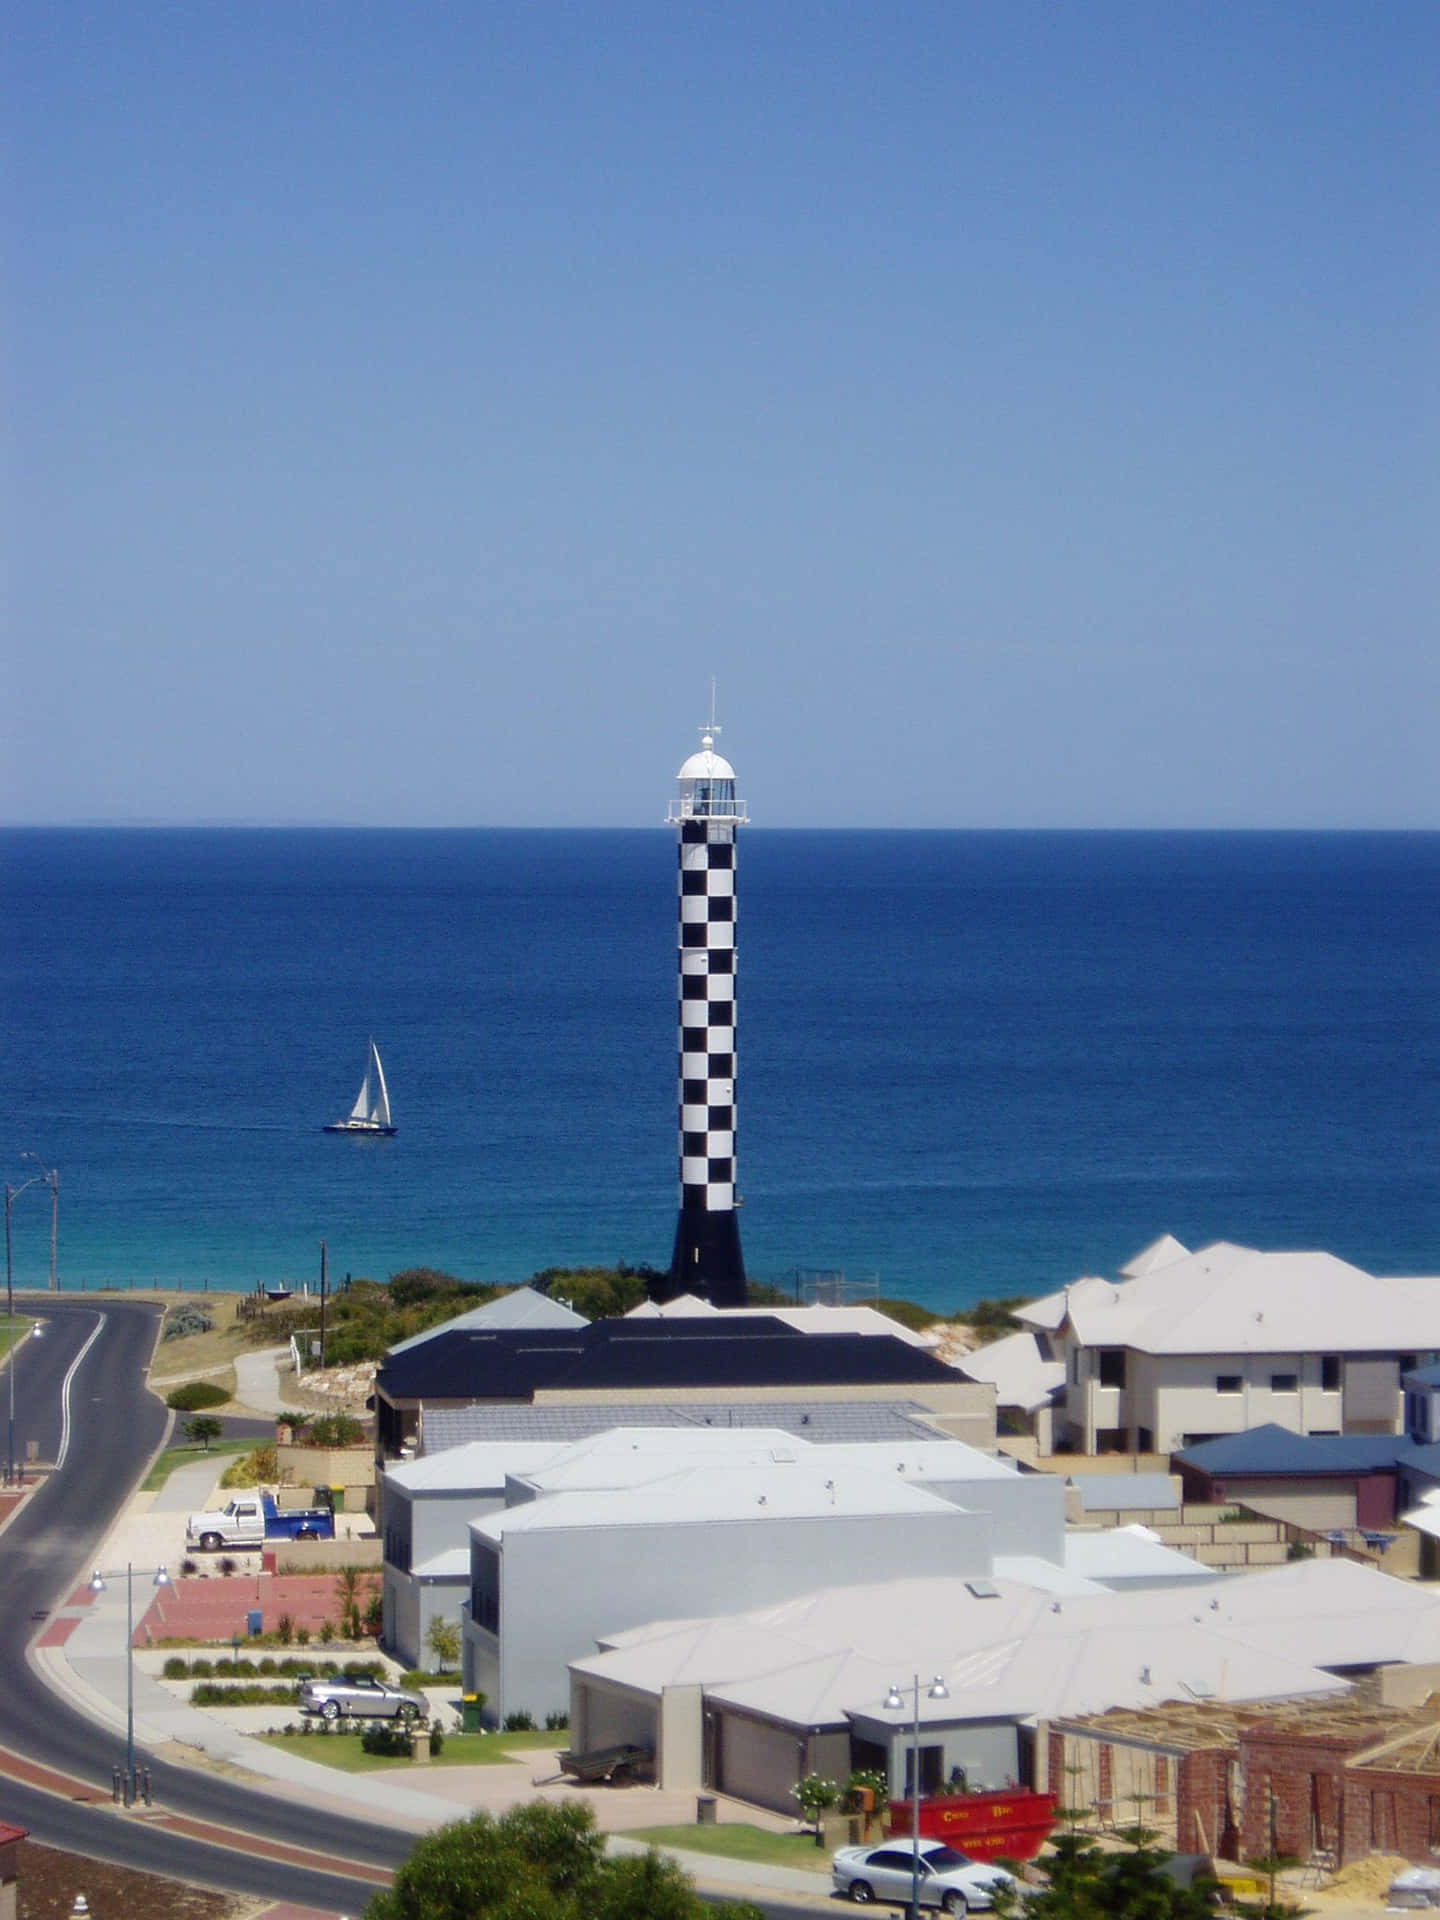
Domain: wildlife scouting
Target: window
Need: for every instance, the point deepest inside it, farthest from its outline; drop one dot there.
(1330, 1373)
(1409, 1362)
(1284, 1383)
(1112, 1366)
(1229, 1383)
(1144, 1440)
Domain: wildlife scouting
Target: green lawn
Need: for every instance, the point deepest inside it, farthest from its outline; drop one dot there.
(174, 1457)
(343, 1750)
(741, 1843)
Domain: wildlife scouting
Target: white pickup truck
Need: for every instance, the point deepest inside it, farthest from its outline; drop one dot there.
(250, 1519)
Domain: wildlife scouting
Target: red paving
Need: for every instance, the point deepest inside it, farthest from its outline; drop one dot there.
(216, 1608)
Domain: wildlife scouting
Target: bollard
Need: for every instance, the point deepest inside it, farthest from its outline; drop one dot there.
(115, 1785)
(146, 1778)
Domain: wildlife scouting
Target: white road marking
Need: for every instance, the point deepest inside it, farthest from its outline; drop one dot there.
(65, 1392)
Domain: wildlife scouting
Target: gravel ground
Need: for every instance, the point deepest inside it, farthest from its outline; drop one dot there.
(49, 1880)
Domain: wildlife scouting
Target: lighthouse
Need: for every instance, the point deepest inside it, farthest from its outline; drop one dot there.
(706, 814)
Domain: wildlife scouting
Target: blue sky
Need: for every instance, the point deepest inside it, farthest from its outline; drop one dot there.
(1028, 412)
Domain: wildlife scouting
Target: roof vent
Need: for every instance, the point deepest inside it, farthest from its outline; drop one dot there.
(1199, 1689)
(982, 1589)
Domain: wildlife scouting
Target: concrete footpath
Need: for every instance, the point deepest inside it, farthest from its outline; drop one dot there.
(82, 1654)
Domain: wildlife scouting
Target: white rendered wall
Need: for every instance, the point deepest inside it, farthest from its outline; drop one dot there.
(561, 1588)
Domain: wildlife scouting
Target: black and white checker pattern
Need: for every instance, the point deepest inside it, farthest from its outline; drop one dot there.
(707, 1015)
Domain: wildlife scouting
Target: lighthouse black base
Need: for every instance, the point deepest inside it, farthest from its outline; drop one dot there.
(707, 1260)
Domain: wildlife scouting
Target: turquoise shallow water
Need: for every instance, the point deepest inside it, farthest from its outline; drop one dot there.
(969, 1063)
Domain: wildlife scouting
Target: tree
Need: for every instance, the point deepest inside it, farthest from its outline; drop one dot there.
(1089, 1883)
(539, 1861)
(442, 1638)
(203, 1429)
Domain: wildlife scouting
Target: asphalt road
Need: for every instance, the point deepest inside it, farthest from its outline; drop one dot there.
(80, 1393)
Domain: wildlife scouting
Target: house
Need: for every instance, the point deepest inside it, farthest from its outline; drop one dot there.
(1098, 1694)
(747, 1704)
(1184, 1347)
(710, 1360)
(1343, 1484)
(630, 1528)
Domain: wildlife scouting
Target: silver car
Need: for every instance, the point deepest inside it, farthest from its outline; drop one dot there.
(949, 1880)
(359, 1697)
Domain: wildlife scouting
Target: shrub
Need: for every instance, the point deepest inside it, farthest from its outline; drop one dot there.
(214, 1693)
(227, 1565)
(253, 1469)
(327, 1632)
(284, 1629)
(188, 1569)
(334, 1430)
(556, 1722)
(201, 1669)
(907, 1313)
(176, 1667)
(816, 1795)
(520, 1722)
(381, 1739)
(195, 1396)
(302, 1636)
(184, 1321)
(424, 1677)
(437, 1743)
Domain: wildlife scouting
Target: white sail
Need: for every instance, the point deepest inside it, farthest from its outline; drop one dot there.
(380, 1112)
(361, 1108)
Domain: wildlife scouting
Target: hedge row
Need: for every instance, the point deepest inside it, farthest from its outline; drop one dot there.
(209, 1693)
(178, 1668)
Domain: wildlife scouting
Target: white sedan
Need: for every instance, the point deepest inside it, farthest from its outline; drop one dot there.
(951, 1881)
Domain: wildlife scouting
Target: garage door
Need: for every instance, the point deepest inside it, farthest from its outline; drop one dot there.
(614, 1718)
(758, 1761)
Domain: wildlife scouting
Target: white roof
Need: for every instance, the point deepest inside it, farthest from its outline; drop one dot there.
(479, 1466)
(452, 1564)
(1018, 1651)
(1123, 1554)
(707, 1495)
(1230, 1299)
(811, 1319)
(1018, 1371)
(1159, 1253)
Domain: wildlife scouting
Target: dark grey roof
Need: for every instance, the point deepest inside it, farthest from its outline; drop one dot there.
(825, 1422)
(621, 1355)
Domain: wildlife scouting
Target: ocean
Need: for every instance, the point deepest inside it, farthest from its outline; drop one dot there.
(970, 1063)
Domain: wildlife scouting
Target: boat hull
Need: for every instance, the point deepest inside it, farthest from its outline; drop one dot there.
(359, 1126)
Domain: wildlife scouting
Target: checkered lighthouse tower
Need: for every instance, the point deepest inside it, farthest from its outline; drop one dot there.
(707, 1259)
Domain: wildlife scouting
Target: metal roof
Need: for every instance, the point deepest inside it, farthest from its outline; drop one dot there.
(824, 1422)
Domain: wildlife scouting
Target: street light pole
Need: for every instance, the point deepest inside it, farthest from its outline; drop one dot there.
(98, 1586)
(47, 1176)
(895, 1701)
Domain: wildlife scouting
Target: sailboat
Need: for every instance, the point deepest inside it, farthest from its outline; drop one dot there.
(371, 1111)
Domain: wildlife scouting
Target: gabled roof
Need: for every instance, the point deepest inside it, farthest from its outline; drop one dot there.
(1275, 1450)
(1159, 1253)
(624, 1355)
(520, 1307)
(1020, 1374)
(1230, 1299)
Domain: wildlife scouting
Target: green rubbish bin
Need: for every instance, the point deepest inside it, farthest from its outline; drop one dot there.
(470, 1713)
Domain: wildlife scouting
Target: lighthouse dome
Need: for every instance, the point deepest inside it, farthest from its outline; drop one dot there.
(706, 765)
